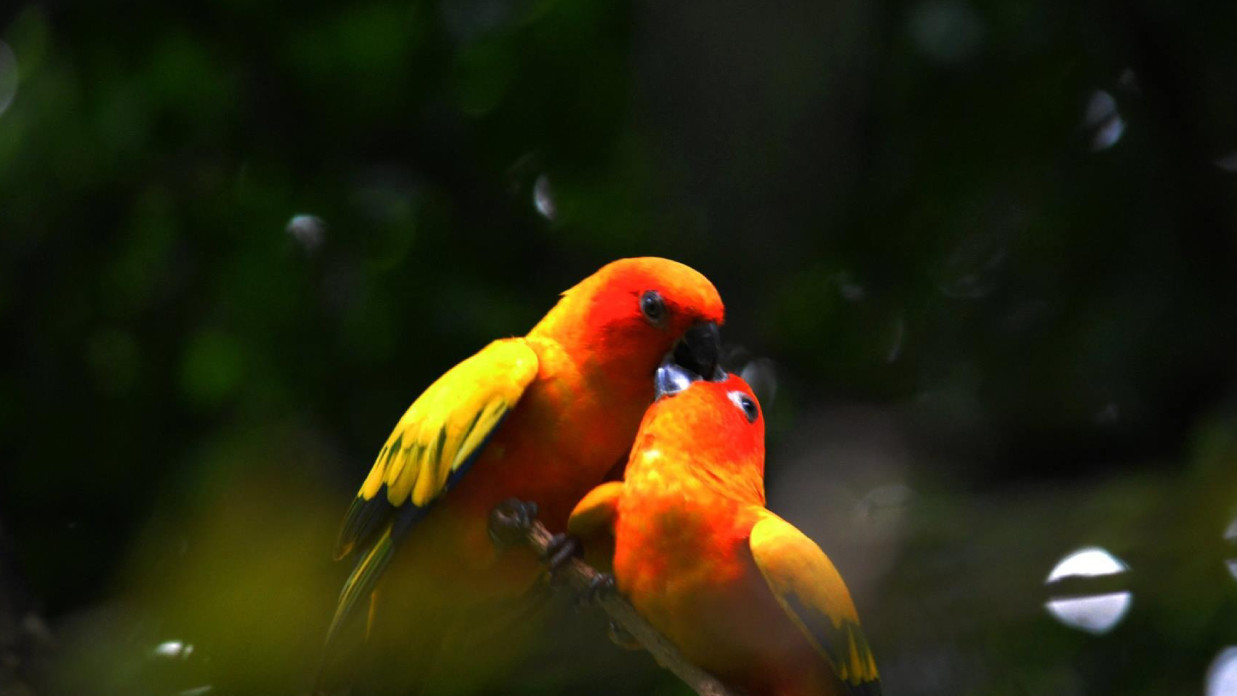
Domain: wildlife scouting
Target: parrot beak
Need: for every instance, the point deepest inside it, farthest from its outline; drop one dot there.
(699, 351)
(672, 378)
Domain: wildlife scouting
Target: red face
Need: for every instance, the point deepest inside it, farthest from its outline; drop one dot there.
(643, 309)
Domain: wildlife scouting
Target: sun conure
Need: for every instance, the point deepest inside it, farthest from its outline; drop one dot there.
(541, 418)
(741, 592)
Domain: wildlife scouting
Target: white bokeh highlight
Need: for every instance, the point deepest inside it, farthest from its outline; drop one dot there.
(1222, 674)
(173, 649)
(1230, 535)
(1103, 120)
(543, 198)
(1097, 614)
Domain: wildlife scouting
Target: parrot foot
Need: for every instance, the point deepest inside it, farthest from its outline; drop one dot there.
(510, 521)
(601, 586)
(561, 549)
(622, 637)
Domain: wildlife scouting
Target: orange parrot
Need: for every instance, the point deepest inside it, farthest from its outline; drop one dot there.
(741, 592)
(543, 418)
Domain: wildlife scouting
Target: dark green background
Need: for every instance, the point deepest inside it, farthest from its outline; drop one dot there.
(992, 343)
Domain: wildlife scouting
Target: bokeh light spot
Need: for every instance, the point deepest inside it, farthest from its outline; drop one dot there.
(308, 230)
(1230, 535)
(173, 649)
(543, 198)
(1096, 614)
(1103, 121)
(1222, 674)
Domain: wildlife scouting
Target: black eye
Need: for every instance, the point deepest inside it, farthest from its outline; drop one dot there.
(653, 307)
(746, 404)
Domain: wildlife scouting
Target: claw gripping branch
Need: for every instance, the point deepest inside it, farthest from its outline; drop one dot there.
(511, 526)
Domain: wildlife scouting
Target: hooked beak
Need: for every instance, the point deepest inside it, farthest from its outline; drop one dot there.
(699, 350)
(672, 378)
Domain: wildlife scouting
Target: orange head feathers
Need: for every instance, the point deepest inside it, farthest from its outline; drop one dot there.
(718, 425)
(633, 312)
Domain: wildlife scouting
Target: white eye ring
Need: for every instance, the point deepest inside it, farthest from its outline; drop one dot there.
(746, 404)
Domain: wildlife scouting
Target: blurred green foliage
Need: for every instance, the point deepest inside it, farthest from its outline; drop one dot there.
(1025, 323)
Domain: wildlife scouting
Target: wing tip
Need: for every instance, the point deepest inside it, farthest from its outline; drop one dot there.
(364, 517)
(361, 582)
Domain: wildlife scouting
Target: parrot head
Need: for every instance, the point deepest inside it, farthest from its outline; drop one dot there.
(716, 421)
(642, 312)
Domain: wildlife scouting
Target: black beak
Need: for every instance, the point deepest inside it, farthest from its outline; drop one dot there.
(700, 349)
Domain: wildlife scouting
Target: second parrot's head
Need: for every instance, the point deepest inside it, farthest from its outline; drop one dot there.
(720, 421)
(638, 312)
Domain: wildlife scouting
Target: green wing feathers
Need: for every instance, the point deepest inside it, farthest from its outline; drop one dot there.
(435, 442)
(812, 593)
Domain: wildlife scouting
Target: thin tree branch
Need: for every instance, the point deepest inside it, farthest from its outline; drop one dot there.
(581, 577)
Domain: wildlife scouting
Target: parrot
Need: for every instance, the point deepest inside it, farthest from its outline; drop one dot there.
(541, 418)
(739, 591)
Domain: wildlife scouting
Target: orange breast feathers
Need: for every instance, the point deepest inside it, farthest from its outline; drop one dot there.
(741, 592)
(541, 418)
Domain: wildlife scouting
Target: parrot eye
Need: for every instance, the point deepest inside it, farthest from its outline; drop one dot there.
(746, 404)
(653, 306)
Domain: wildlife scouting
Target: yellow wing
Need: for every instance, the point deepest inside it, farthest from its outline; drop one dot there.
(813, 595)
(432, 446)
(593, 520)
(596, 511)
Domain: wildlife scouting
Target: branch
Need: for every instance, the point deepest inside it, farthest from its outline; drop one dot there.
(581, 577)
